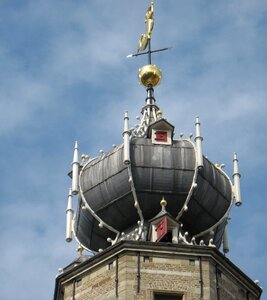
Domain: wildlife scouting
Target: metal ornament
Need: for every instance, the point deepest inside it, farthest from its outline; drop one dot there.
(146, 37)
(150, 76)
(198, 140)
(69, 218)
(119, 189)
(75, 170)
(236, 176)
(126, 139)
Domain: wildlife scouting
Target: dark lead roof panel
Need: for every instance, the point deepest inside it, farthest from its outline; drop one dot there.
(157, 170)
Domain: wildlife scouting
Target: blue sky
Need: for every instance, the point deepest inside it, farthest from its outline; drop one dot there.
(64, 76)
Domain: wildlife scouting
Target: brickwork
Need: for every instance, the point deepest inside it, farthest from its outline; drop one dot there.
(179, 274)
(227, 285)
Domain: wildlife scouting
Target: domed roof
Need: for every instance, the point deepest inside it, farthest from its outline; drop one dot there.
(156, 170)
(119, 192)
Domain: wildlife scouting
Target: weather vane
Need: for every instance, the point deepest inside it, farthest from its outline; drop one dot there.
(149, 75)
(145, 39)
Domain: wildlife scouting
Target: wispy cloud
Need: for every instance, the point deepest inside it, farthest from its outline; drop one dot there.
(64, 76)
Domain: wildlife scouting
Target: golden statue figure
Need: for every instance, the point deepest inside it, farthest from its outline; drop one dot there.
(149, 20)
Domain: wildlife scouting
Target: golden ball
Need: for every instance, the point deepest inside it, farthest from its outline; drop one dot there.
(163, 202)
(149, 75)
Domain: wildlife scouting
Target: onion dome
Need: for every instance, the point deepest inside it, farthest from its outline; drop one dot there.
(123, 198)
(119, 192)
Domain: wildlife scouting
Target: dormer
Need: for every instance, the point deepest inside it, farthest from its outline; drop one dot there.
(161, 132)
(163, 227)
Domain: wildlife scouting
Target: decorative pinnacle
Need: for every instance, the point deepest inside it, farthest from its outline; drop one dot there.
(75, 170)
(236, 177)
(75, 155)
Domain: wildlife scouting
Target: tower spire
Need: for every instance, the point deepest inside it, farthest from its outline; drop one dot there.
(149, 75)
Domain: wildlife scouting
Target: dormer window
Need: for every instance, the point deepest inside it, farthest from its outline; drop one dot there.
(163, 137)
(161, 132)
(163, 227)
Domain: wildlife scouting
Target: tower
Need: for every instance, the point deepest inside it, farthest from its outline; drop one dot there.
(153, 212)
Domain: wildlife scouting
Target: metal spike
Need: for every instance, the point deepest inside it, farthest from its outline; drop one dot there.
(198, 141)
(75, 170)
(236, 177)
(126, 140)
(69, 218)
(225, 241)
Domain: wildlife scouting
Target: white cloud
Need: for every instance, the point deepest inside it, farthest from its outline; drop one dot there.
(64, 76)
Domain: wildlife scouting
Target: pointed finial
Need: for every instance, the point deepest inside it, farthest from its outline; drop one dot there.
(126, 140)
(69, 218)
(225, 241)
(236, 176)
(75, 170)
(198, 141)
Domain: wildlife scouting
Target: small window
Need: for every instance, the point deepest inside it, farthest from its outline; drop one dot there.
(163, 296)
(219, 273)
(191, 262)
(110, 266)
(78, 282)
(161, 136)
(167, 238)
(147, 259)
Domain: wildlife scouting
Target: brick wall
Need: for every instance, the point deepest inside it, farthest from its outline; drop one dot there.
(159, 272)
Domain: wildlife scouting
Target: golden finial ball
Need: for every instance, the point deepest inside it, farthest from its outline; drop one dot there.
(80, 249)
(159, 114)
(163, 202)
(149, 75)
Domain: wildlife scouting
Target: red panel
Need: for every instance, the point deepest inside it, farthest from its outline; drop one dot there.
(162, 229)
(161, 136)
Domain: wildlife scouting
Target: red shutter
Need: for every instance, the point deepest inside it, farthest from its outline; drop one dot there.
(161, 136)
(162, 229)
